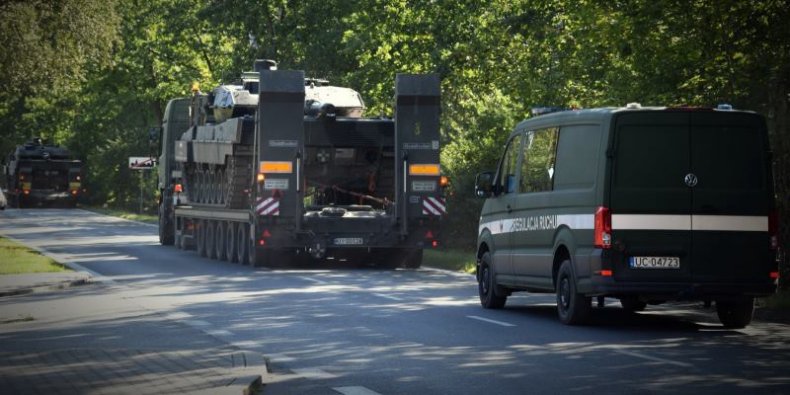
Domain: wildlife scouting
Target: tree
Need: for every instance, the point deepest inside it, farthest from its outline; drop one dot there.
(49, 48)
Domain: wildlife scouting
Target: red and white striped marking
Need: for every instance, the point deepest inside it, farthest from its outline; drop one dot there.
(268, 206)
(433, 206)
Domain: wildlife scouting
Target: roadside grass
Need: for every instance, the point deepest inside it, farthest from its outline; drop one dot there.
(147, 218)
(450, 259)
(15, 258)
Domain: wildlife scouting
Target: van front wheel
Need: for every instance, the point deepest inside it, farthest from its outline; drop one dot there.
(735, 313)
(486, 286)
(572, 307)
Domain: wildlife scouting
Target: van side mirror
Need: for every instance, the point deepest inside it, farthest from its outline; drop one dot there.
(484, 184)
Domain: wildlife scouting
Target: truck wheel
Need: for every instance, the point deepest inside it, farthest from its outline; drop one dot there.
(572, 307)
(632, 304)
(166, 231)
(219, 244)
(243, 244)
(486, 285)
(211, 239)
(200, 232)
(412, 258)
(230, 242)
(735, 313)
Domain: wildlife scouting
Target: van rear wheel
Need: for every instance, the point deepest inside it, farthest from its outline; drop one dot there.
(486, 285)
(735, 313)
(632, 304)
(572, 307)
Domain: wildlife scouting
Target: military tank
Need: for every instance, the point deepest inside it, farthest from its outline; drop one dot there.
(216, 151)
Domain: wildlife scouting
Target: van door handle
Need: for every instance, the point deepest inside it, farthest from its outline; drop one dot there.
(509, 209)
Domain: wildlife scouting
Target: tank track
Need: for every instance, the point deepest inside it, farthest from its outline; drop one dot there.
(224, 186)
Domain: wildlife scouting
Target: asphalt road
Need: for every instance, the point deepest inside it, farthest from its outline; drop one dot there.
(355, 330)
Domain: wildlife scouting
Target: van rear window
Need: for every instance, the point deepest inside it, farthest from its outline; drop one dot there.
(728, 157)
(653, 156)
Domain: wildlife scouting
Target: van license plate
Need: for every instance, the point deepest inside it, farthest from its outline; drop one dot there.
(654, 262)
(349, 241)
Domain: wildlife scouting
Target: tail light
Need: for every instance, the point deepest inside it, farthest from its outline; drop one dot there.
(264, 235)
(430, 236)
(773, 229)
(603, 228)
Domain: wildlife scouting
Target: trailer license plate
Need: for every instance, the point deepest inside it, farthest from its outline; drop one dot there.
(654, 262)
(348, 241)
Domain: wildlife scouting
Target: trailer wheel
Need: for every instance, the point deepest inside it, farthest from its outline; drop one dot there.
(253, 255)
(211, 239)
(219, 244)
(166, 228)
(230, 242)
(243, 244)
(200, 231)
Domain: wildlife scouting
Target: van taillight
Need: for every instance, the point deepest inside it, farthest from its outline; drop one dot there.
(773, 229)
(603, 228)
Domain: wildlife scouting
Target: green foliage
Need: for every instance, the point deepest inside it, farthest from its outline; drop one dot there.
(49, 49)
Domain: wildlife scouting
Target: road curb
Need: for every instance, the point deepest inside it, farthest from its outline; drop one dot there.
(48, 287)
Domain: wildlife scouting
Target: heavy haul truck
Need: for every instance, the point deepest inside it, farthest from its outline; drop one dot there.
(275, 168)
(41, 174)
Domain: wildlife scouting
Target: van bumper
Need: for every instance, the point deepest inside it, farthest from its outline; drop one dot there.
(604, 286)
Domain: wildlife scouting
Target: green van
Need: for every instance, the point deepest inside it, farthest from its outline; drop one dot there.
(641, 204)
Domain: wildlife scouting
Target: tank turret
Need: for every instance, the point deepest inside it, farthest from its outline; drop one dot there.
(217, 147)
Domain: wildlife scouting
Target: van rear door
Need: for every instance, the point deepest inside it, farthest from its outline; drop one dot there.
(649, 200)
(731, 201)
(691, 185)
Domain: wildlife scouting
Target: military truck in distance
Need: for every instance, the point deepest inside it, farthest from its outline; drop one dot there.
(38, 174)
(276, 167)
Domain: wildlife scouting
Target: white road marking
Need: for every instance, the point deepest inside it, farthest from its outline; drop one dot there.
(315, 280)
(178, 315)
(314, 373)
(654, 359)
(355, 391)
(390, 297)
(281, 358)
(220, 333)
(474, 317)
(196, 323)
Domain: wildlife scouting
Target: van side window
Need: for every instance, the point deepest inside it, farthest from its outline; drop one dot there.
(507, 171)
(577, 156)
(537, 167)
